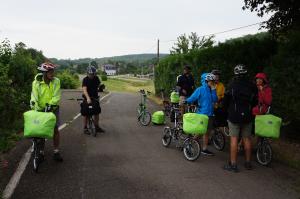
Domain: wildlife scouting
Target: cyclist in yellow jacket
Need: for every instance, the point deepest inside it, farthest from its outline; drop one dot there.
(219, 86)
(220, 115)
(46, 91)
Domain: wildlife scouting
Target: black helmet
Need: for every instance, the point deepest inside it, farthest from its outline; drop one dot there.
(91, 70)
(216, 72)
(187, 67)
(240, 69)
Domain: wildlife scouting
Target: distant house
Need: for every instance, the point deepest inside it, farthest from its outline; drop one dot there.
(109, 69)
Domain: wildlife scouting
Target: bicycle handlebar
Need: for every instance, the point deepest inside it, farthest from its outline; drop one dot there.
(50, 107)
(144, 92)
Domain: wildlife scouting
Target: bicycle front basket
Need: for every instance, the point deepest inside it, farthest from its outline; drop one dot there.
(174, 97)
(267, 126)
(158, 117)
(194, 123)
(39, 124)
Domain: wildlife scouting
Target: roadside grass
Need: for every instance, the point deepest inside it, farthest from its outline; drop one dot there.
(132, 85)
(8, 141)
(287, 152)
(11, 135)
(128, 85)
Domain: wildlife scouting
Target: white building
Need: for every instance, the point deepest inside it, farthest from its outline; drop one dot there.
(109, 69)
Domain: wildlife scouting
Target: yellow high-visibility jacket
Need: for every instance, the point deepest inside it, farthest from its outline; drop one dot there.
(43, 93)
(220, 93)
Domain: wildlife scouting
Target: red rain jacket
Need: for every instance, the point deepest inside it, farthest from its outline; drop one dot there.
(264, 97)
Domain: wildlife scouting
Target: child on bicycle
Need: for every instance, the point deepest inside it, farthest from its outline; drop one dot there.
(46, 91)
(206, 96)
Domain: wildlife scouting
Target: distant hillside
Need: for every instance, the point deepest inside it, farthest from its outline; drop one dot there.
(130, 58)
(135, 58)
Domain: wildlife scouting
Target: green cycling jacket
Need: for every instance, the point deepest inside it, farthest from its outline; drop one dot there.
(43, 93)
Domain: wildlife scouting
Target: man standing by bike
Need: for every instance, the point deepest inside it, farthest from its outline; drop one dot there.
(239, 100)
(206, 97)
(46, 92)
(90, 87)
(185, 85)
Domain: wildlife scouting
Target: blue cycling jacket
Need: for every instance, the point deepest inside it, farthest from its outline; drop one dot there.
(205, 96)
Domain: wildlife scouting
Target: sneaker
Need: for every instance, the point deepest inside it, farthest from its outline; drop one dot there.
(207, 152)
(248, 165)
(57, 157)
(99, 130)
(231, 167)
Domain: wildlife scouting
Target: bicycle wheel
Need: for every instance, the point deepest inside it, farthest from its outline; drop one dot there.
(145, 118)
(91, 126)
(264, 153)
(191, 149)
(166, 137)
(218, 140)
(35, 159)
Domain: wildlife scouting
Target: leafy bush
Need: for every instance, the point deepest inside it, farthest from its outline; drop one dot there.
(17, 70)
(103, 77)
(68, 80)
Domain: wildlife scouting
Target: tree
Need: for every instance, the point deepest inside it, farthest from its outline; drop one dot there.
(285, 14)
(182, 45)
(186, 44)
(94, 63)
(5, 51)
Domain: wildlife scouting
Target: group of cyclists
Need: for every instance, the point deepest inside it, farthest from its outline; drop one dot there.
(46, 91)
(235, 107)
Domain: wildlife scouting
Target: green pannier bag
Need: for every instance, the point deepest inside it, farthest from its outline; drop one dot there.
(39, 124)
(194, 123)
(174, 97)
(158, 117)
(267, 126)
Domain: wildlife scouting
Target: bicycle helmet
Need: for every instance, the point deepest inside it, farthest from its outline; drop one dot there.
(210, 77)
(240, 69)
(91, 70)
(216, 72)
(187, 67)
(45, 67)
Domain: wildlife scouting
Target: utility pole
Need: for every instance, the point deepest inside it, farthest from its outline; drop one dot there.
(157, 59)
(157, 51)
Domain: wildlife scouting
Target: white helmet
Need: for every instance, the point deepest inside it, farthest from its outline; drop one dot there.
(45, 67)
(240, 69)
(210, 77)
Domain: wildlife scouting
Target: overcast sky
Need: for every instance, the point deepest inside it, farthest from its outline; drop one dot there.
(99, 28)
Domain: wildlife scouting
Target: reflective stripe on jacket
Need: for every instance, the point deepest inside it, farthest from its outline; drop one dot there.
(43, 93)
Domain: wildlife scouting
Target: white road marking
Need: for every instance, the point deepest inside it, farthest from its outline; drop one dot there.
(15, 179)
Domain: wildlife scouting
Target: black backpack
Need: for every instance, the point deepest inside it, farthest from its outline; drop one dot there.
(243, 98)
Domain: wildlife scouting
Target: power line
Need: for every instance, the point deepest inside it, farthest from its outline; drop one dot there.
(230, 30)
(242, 27)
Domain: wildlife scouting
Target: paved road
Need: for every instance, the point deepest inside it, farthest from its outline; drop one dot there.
(128, 161)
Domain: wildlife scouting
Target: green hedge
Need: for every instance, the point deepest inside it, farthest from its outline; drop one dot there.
(280, 59)
(68, 80)
(103, 77)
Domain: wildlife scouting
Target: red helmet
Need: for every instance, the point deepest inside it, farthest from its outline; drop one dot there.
(44, 67)
(262, 76)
